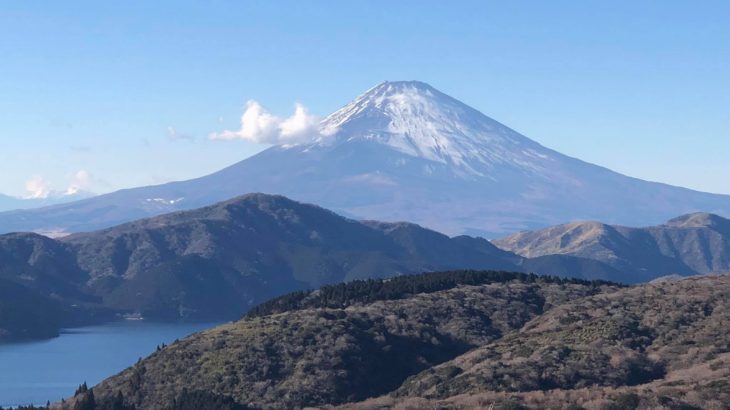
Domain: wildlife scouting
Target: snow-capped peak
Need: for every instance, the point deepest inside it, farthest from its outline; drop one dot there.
(420, 121)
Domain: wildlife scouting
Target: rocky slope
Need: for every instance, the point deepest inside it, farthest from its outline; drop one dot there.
(691, 244)
(459, 340)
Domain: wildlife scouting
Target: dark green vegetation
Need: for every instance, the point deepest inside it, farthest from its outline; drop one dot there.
(343, 295)
(217, 262)
(688, 245)
(458, 340)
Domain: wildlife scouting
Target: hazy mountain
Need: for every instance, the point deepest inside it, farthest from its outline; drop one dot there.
(8, 203)
(405, 151)
(687, 245)
(218, 261)
(456, 340)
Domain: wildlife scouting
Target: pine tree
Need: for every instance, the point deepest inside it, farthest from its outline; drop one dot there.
(83, 388)
(87, 402)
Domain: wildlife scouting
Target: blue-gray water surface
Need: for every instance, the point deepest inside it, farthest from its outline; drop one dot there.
(35, 372)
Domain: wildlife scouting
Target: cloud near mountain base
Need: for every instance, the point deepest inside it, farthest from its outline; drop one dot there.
(38, 187)
(82, 179)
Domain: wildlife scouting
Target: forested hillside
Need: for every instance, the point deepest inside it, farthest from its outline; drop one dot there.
(457, 340)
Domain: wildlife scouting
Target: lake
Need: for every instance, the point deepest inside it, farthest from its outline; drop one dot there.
(35, 372)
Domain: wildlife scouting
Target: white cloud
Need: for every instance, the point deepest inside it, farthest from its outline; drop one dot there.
(37, 188)
(300, 126)
(82, 179)
(260, 126)
(174, 135)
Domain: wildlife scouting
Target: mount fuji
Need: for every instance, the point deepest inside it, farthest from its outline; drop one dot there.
(403, 151)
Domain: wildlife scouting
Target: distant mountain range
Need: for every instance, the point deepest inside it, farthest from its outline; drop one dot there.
(405, 151)
(452, 340)
(217, 262)
(9, 203)
(688, 245)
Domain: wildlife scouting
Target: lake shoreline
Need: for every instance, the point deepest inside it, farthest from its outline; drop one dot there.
(80, 354)
(92, 323)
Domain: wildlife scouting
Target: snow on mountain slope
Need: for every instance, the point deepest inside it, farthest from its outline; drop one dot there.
(403, 151)
(418, 120)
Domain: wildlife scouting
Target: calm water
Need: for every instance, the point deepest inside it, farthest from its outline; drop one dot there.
(32, 373)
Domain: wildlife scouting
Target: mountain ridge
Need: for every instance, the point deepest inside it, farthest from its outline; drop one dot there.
(691, 244)
(216, 262)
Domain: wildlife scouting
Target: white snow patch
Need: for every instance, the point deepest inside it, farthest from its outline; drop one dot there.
(165, 201)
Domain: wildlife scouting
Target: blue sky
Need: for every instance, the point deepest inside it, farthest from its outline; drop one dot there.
(641, 87)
